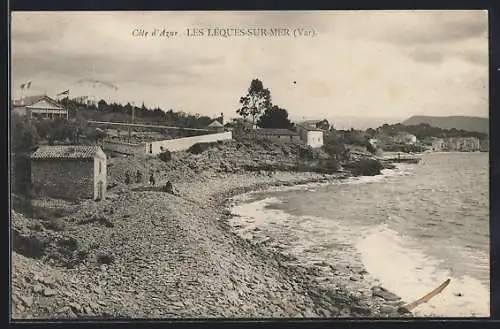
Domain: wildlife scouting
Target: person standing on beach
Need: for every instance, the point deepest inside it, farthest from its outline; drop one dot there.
(138, 176)
(127, 177)
(152, 179)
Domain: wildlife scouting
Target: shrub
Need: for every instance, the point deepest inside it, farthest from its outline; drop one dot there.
(165, 156)
(29, 246)
(331, 165)
(54, 224)
(306, 154)
(82, 254)
(106, 259)
(35, 227)
(69, 243)
(201, 147)
(334, 146)
(366, 167)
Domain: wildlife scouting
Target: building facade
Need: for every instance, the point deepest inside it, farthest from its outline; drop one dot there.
(438, 145)
(463, 144)
(310, 135)
(405, 138)
(69, 172)
(285, 135)
(36, 107)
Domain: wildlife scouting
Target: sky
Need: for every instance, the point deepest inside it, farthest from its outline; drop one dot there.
(385, 64)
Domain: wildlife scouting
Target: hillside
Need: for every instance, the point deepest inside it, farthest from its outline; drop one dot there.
(145, 253)
(466, 123)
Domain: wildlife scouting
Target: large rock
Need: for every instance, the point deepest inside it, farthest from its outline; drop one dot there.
(384, 294)
(364, 166)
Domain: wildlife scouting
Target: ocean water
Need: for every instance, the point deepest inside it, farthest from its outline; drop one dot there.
(411, 228)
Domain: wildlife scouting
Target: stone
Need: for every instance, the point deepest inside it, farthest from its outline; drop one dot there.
(361, 310)
(384, 294)
(49, 292)
(27, 300)
(387, 309)
(333, 311)
(403, 310)
(88, 310)
(324, 313)
(77, 308)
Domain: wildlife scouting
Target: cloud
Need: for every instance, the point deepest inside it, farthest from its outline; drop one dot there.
(438, 27)
(428, 57)
(476, 57)
(355, 65)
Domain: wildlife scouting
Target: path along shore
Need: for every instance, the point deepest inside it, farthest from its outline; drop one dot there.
(157, 255)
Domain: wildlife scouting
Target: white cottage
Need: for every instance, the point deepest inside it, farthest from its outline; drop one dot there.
(310, 135)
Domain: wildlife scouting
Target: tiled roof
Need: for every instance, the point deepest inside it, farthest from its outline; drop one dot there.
(308, 127)
(276, 132)
(30, 100)
(215, 124)
(66, 152)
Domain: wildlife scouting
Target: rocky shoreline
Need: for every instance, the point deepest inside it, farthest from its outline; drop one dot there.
(350, 290)
(149, 254)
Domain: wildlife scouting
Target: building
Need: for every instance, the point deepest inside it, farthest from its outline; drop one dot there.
(277, 134)
(216, 126)
(438, 144)
(405, 138)
(69, 172)
(310, 135)
(463, 144)
(41, 106)
(484, 145)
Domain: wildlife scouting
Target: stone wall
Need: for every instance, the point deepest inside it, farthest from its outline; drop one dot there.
(122, 147)
(64, 179)
(280, 138)
(182, 144)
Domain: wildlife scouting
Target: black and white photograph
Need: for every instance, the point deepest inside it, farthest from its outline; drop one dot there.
(249, 164)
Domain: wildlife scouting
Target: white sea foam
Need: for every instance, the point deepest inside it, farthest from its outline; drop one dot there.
(400, 170)
(396, 262)
(405, 270)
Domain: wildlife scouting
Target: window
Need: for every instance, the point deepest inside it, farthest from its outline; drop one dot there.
(100, 167)
(150, 148)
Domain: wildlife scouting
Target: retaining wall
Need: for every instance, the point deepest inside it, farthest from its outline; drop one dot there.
(182, 144)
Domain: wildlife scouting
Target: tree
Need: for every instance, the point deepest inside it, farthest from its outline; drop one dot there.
(323, 125)
(102, 105)
(370, 132)
(275, 117)
(257, 100)
(24, 139)
(334, 146)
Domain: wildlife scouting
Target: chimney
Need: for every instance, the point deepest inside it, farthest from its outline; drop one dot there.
(222, 118)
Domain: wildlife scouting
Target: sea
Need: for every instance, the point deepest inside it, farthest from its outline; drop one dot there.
(411, 228)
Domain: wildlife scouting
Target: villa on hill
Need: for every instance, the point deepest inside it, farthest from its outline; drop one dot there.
(40, 106)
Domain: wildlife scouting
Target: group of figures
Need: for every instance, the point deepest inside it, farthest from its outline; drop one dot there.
(138, 179)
